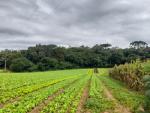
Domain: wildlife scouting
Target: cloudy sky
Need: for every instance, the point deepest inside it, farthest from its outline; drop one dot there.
(25, 23)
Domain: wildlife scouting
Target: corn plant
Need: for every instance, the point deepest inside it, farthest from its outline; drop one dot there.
(131, 74)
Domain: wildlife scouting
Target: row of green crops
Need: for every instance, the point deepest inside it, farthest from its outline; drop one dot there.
(10, 81)
(68, 100)
(130, 99)
(13, 85)
(97, 101)
(21, 92)
(7, 95)
(26, 103)
(131, 74)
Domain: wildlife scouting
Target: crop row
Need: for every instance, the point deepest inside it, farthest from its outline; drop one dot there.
(11, 81)
(5, 96)
(29, 101)
(97, 101)
(68, 100)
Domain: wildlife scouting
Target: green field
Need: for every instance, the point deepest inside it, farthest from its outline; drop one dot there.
(1, 71)
(66, 91)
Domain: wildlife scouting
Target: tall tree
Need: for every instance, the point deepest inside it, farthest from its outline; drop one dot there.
(138, 44)
(105, 46)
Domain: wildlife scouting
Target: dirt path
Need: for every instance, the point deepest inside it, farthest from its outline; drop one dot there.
(83, 99)
(119, 108)
(39, 108)
(1, 105)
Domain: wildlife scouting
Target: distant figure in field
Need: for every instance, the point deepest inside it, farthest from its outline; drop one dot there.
(96, 70)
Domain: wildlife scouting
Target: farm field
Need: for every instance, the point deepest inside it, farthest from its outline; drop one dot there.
(1, 71)
(66, 91)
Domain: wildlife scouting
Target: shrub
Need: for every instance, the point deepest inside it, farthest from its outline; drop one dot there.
(131, 74)
(21, 65)
(47, 64)
(65, 65)
(33, 68)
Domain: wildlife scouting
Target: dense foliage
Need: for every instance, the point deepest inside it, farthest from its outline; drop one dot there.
(50, 57)
(21, 64)
(131, 74)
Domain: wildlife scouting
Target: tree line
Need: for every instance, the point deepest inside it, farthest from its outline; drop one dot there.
(52, 57)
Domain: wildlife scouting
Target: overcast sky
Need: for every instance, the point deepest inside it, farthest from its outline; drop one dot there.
(24, 23)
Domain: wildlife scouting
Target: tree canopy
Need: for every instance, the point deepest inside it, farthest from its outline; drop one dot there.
(50, 57)
(138, 44)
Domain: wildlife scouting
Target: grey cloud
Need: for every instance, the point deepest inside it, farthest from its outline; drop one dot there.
(71, 22)
(11, 32)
